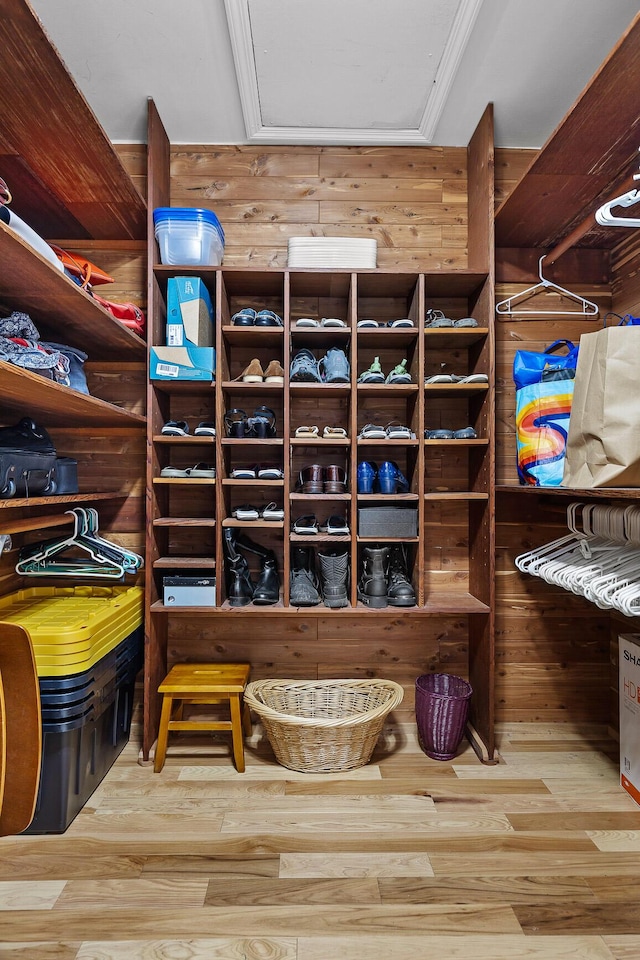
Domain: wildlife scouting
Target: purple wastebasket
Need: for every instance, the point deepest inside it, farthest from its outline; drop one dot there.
(442, 704)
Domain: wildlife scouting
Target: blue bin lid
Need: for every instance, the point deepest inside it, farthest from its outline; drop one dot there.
(164, 214)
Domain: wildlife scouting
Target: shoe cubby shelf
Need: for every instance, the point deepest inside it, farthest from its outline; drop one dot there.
(450, 477)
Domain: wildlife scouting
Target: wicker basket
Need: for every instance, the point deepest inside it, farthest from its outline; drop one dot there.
(323, 726)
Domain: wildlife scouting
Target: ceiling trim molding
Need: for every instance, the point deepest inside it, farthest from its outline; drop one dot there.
(239, 22)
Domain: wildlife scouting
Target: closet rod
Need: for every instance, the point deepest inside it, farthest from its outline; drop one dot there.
(570, 240)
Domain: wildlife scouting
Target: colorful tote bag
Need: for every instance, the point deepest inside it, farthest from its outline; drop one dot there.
(544, 392)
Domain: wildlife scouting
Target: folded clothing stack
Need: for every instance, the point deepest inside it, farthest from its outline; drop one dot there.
(347, 252)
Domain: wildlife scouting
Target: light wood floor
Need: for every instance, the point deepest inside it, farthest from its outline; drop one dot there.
(404, 859)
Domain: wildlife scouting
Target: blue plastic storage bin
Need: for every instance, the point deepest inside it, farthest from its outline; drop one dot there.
(188, 236)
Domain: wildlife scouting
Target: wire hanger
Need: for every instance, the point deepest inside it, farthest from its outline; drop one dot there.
(607, 219)
(588, 308)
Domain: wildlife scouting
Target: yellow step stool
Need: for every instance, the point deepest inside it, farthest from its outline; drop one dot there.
(192, 683)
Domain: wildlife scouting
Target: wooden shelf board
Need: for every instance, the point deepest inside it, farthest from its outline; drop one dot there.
(184, 387)
(187, 563)
(319, 389)
(319, 496)
(319, 442)
(387, 497)
(456, 495)
(451, 389)
(237, 386)
(388, 443)
(49, 520)
(252, 442)
(387, 389)
(318, 336)
(189, 481)
(257, 524)
(611, 493)
(253, 336)
(369, 337)
(184, 522)
(31, 284)
(457, 604)
(161, 438)
(39, 162)
(448, 338)
(267, 484)
(319, 538)
(478, 442)
(59, 406)
(388, 539)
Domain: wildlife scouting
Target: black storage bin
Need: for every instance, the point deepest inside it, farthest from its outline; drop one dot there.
(86, 723)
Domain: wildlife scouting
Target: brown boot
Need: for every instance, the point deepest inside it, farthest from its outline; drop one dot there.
(274, 372)
(253, 373)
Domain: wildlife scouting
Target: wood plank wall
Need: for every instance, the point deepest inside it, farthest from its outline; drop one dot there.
(551, 648)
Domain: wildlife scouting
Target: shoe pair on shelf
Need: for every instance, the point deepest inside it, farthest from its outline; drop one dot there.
(384, 578)
(393, 431)
(436, 318)
(258, 471)
(253, 373)
(452, 378)
(375, 374)
(308, 525)
(326, 322)
(318, 479)
(261, 426)
(466, 433)
(307, 588)
(180, 428)
(241, 589)
(332, 368)
(246, 511)
(247, 317)
(201, 471)
(369, 322)
(313, 433)
(387, 478)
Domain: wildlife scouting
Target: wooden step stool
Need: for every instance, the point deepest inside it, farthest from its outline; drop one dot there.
(188, 683)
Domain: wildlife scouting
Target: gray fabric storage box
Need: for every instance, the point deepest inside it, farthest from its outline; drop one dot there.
(382, 522)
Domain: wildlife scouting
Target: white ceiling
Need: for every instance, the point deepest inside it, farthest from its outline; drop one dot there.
(333, 71)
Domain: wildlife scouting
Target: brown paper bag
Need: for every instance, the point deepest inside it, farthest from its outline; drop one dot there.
(603, 445)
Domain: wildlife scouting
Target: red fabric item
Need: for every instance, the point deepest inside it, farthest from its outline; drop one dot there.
(127, 313)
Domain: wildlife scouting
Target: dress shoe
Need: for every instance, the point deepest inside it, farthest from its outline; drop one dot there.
(391, 479)
(335, 479)
(274, 372)
(367, 474)
(311, 479)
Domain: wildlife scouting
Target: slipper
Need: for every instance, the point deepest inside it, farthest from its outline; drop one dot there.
(332, 322)
(440, 378)
(244, 318)
(367, 322)
(398, 431)
(335, 526)
(333, 433)
(306, 525)
(440, 434)
(202, 470)
(371, 431)
(205, 429)
(307, 322)
(272, 512)
(465, 322)
(245, 512)
(266, 472)
(175, 428)
(267, 318)
(174, 472)
(401, 322)
(311, 432)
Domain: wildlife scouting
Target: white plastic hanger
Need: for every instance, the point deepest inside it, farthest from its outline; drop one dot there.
(588, 308)
(606, 218)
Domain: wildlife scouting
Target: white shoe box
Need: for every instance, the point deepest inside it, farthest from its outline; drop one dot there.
(629, 700)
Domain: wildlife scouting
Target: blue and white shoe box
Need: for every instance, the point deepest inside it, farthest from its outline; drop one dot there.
(189, 353)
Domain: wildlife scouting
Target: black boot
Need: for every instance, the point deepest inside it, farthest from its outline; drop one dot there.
(334, 569)
(372, 589)
(400, 591)
(239, 586)
(267, 589)
(304, 586)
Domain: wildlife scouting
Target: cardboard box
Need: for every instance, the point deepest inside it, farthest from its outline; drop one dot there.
(629, 700)
(189, 591)
(182, 363)
(190, 320)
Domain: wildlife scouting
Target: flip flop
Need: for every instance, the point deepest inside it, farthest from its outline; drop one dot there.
(334, 433)
(472, 378)
(440, 378)
(174, 472)
(311, 432)
(465, 322)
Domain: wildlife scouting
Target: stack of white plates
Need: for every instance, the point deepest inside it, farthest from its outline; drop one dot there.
(349, 252)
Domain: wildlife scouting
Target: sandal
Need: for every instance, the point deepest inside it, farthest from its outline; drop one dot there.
(465, 322)
(398, 431)
(245, 512)
(174, 472)
(371, 431)
(175, 428)
(202, 470)
(310, 432)
(236, 422)
(263, 423)
(307, 322)
(334, 433)
(332, 322)
(305, 525)
(436, 318)
(272, 512)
